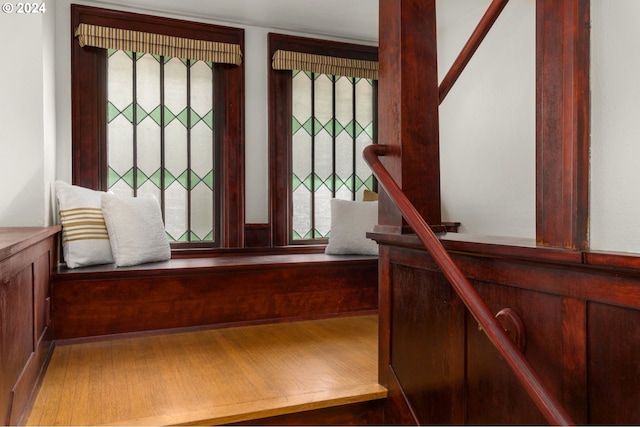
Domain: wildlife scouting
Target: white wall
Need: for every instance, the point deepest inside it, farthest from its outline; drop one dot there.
(487, 121)
(49, 117)
(26, 124)
(488, 133)
(615, 126)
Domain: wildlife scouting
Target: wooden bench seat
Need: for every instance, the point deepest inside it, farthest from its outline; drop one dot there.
(211, 291)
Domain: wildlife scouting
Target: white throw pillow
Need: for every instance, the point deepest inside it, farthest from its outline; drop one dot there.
(85, 240)
(350, 222)
(136, 230)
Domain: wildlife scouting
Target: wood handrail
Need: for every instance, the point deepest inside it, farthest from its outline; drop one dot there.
(544, 400)
(478, 35)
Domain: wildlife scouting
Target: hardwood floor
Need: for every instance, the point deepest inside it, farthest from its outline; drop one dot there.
(215, 376)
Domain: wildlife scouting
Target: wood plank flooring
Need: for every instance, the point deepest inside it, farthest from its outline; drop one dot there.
(216, 376)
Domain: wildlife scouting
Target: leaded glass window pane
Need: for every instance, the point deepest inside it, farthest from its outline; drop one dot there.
(160, 138)
(332, 123)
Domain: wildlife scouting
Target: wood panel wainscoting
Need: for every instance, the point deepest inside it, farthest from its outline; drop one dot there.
(579, 327)
(27, 255)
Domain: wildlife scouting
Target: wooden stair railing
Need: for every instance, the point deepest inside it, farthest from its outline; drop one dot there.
(552, 410)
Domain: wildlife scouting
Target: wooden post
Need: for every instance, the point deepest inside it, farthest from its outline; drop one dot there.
(562, 160)
(408, 107)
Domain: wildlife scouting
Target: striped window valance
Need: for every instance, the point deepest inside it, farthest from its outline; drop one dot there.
(288, 60)
(158, 44)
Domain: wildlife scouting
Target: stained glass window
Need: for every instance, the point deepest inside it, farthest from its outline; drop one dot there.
(160, 138)
(332, 123)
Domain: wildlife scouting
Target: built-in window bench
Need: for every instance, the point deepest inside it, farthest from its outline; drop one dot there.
(243, 287)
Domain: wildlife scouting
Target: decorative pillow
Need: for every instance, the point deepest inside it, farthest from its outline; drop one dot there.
(350, 221)
(85, 240)
(136, 230)
(369, 196)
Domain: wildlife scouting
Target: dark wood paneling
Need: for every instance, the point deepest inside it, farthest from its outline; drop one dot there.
(42, 344)
(574, 358)
(16, 334)
(490, 383)
(613, 367)
(26, 256)
(257, 235)
(365, 413)
(427, 345)
(397, 410)
(41, 295)
(200, 292)
(580, 321)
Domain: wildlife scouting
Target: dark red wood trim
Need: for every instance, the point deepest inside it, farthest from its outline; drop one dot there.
(230, 112)
(248, 251)
(206, 265)
(280, 129)
(384, 319)
(257, 235)
(562, 158)
(89, 128)
(520, 248)
(320, 47)
(280, 122)
(156, 24)
(408, 106)
(622, 260)
(397, 409)
(605, 281)
(574, 357)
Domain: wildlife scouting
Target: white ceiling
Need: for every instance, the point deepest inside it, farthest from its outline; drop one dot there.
(350, 19)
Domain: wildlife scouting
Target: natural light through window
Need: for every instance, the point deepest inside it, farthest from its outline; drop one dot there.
(333, 121)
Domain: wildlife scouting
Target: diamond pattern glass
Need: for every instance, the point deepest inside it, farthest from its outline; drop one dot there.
(160, 138)
(332, 123)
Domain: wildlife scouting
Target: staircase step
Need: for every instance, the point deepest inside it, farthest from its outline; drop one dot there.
(214, 376)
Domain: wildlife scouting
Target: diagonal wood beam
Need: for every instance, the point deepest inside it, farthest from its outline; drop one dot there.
(469, 49)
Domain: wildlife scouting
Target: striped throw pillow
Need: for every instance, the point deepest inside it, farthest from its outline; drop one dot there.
(85, 240)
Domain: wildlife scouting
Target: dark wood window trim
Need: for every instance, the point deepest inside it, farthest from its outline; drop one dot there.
(88, 92)
(280, 122)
